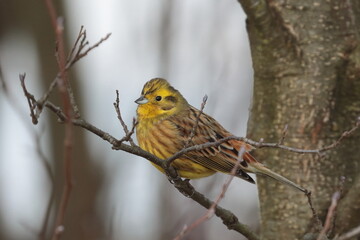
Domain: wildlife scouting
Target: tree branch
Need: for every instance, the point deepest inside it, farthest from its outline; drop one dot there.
(193, 130)
(30, 99)
(183, 186)
(229, 219)
(261, 144)
(63, 85)
(79, 46)
(350, 234)
(210, 213)
(128, 133)
(329, 221)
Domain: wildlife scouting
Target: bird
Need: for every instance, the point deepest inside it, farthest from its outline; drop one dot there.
(165, 125)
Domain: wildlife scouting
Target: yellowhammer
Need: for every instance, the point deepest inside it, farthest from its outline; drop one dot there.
(165, 122)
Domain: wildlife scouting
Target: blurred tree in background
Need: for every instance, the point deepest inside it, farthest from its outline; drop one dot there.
(84, 221)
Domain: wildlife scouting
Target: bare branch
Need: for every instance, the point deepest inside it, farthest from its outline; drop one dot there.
(63, 85)
(334, 200)
(210, 213)
(183, 186)
(128, 134)
(81, 37)
(229, 219)
(30, 99)
(79, 45)
(127, 137)
(332, 210)
(283, 135)
(352, 233)
(261, 144)
(69, 103)
(83, 54)
(193, 130)
(46, 221)
(315, 214)
(343, 135)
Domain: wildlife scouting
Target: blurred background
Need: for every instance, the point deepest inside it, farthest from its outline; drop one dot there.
(201, 47)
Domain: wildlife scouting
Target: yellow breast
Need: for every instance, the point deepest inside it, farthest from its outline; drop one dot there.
(162, 139)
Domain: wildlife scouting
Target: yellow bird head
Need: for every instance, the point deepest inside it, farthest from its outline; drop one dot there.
(158, 100)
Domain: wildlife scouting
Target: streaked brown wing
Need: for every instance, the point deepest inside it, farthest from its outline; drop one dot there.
(222, 158)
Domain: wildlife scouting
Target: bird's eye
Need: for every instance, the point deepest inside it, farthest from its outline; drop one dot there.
(158, 98)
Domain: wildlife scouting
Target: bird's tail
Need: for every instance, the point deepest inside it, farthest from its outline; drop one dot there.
(260, 169)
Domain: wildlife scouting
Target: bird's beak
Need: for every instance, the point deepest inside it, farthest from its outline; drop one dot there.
(141, 100)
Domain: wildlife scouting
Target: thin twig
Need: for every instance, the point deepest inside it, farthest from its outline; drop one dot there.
(128, 133)
(73, 103)
(332, 210)
(79, 45)
(14, 100)
(210, 212)
(127, 137)
(265, 145)
(350, 234)
(340, 190)
(68, 103)
(193, 130)
(63, 83)
(334, 201)
(2, 81)
(81, 35)
(30, 99)
(343, 135)
(47, 93)
(83, 54)
(283, 135)
(315, 214)
(259, 144)
(228, 218)
(45, 161)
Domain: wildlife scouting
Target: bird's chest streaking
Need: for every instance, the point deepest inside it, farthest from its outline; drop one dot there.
(162, 139)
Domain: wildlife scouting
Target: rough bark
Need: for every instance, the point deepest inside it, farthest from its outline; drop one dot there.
(307, 76)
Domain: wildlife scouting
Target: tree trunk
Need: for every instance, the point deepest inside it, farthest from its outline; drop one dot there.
(307, 76)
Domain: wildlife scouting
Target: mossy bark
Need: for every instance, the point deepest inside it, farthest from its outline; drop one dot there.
(306, 61)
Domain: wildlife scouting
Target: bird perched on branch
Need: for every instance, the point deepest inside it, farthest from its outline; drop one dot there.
(166, 124)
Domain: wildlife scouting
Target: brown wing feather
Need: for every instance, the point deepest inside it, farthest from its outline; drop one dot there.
(222, 158)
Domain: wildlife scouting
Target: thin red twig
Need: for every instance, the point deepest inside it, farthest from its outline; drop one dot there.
(62, 83)
(332, 210)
